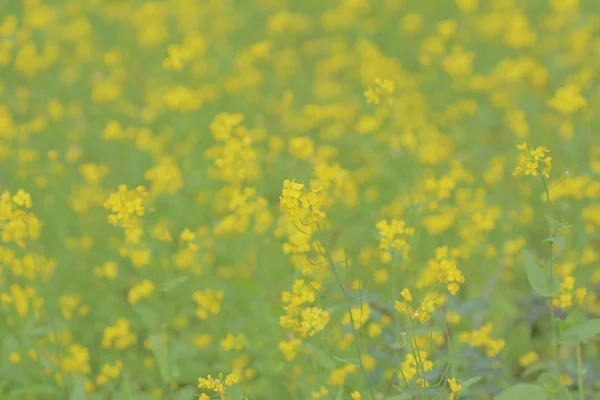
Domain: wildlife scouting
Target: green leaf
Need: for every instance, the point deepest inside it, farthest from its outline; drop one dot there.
(553, 387)
(346, 361)
(148, 317)
(235, 392)
(523, 391)
(340, 394)
(161, 355)
(536, 368)
(125, 389)
(580, 331)
(537, 277)
(78, 392)
(173, 283)
(470, 382)
(186, 393)
(560, 226)
(575, 316)
(325, 361)
(558, 241)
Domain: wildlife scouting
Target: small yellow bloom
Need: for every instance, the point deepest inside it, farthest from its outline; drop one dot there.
(528, 358)
(567, 100)
(406, 294)
(14, 357)
(454, 387)
(565, 379)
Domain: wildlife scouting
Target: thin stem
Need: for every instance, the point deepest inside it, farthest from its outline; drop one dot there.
(331, 263)
(450, 347)
(579, 372)
(419, 365)
(549, 273)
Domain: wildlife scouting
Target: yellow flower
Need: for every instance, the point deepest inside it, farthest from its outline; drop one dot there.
(187, 235)
(453, 318)
(531, 160)
(14, 358)
(355, 395)
(140, 291)
(454, 387)
(565, 379)
(360, 315)
(217, 385)
(406, 294)
(567, 100)
(528, 358)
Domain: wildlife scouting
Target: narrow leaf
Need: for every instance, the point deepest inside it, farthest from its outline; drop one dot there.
(161, 355)
(470, 382)
(346, 361)
(78, 392)
(173, 283)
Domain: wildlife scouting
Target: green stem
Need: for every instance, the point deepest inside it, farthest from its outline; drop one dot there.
(332, 265)
(450, 347)
(549, 273)
(580, 372)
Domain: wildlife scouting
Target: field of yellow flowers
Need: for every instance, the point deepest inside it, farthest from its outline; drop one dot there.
(299, 199)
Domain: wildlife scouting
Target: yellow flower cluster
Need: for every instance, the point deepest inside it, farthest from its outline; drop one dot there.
(528, 358)
(233, 342)
(234, 159)
(568, 99)
(69, 303)
(179, 55)
(301, 316)
(480, 338)
(118, 336)
(208, 301)
(564, 298)
(393, 234)
(23, 300)
(531, 161)
(358, 315)
(415, 365)
(338, 375)
(454, 387)
(423, 313)
(109, 372)
(295, 203)
(140, 291)
(380, 88)
(125, 205)
(442, 269)
(76, 360)
(217, 385)
(18, 225)
(290, 348)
